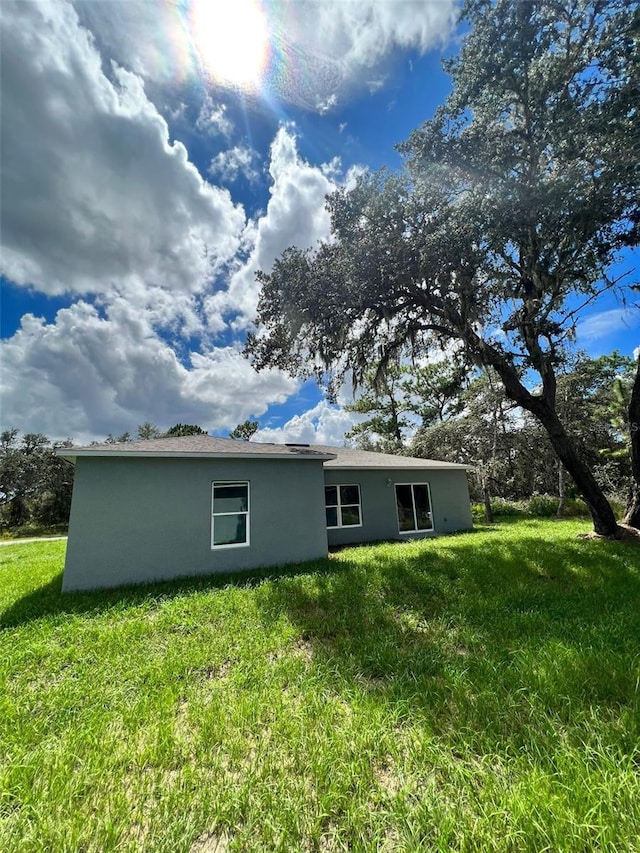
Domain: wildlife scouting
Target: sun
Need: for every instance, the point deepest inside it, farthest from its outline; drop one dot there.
(232, 39)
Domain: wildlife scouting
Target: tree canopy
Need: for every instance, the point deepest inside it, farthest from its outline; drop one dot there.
(244, 431)
(35, 484)
(515, 201)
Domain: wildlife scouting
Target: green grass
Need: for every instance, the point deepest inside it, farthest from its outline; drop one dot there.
(477, 692)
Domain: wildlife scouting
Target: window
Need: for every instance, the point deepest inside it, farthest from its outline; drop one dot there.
(343, 506)
(230, 515)
(413, 502)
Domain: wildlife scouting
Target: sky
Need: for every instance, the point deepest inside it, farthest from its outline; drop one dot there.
(154, 155)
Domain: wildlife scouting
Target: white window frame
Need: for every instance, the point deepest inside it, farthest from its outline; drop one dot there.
(246, 513)
(413, 502)
(339, 505)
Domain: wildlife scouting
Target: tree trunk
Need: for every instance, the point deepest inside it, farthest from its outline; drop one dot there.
(632, 515)
(488, 512)
(18, 511)
(604, 521)
(561, 491)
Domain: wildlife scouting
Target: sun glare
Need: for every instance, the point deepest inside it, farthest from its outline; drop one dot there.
(231, 38)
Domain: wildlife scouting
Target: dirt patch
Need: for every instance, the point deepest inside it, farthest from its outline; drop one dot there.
(303, 648)
(388, 778)
(211, 842)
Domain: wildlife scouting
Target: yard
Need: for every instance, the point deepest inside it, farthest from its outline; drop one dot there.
(476, 692)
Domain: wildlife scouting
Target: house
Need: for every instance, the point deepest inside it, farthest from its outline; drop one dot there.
(192, 505)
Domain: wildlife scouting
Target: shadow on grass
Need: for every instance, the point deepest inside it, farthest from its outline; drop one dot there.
(49, 600)
(484, 640)
(501, 638)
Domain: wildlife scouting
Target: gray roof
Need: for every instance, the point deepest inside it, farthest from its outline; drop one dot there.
(212, 447)
(196, 445)
(349, 457)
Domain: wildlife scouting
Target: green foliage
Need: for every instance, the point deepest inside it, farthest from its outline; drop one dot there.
(245, 431)
(400, 395)
(542, 506)
(185, 429)
(537, 506)
(502, 509)
(148, 431)
(509, 450)
(118, 439)
(576, 508)
(35, 484)
(475, 692)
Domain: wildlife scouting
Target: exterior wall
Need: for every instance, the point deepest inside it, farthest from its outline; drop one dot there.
(135, 520)
(450, 506)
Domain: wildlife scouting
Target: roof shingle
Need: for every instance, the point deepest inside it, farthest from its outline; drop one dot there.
(211, 446)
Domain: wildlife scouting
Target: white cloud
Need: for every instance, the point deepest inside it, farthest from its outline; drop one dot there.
(239, 160)
(96, 199)
(323, 424)
(605, 323)
(363, 32)
(213, 119)
(295, 216)
(375, 85)
(325, 105)
(334, 44)
(93, 193)
(148, 38)
(332, 169)
(87, 374)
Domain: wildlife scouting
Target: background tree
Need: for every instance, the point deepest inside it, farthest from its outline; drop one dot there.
(147, 431)
(185, 429)
(434, 389)
(510, 452)
(402, 397)
(590, 404)
(244, 431)
(517, 197)
(383, 398)
(35, 484)
(116, 439)
(480, 434)
(632, 516)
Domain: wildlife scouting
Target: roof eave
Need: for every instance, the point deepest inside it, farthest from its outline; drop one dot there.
(71, 456)
(452, 466)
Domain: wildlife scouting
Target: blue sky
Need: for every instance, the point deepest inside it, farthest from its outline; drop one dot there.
(155, 155)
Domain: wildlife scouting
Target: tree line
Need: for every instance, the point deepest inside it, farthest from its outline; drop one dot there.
(434, 410)
(36, 484)
(439, 411)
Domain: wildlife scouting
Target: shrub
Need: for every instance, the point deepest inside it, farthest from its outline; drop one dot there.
(501, 509)
(575, 508)
(542, 506)
(618, 506)
(507, 509)
(537, 506)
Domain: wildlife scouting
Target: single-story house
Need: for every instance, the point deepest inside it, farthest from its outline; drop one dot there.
(193, 505)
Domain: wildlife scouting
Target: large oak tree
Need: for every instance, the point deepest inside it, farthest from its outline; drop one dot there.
(515, 201)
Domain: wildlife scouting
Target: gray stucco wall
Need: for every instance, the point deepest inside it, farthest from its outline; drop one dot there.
(449, 502)
(134, 519)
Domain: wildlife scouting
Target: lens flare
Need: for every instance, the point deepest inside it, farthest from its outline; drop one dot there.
(231, 38)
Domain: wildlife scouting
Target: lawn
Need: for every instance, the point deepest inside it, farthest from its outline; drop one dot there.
(475, 692)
